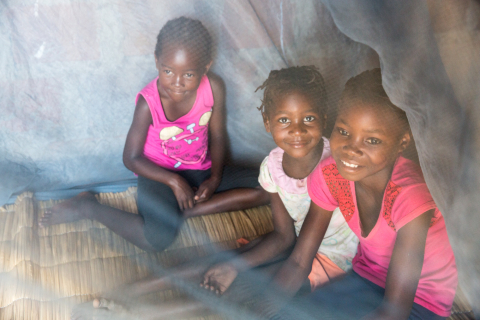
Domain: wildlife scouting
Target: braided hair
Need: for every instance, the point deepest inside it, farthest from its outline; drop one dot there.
(187, 32)
(305, 79)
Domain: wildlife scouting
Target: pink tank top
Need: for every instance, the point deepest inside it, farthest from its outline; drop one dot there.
(183, 143)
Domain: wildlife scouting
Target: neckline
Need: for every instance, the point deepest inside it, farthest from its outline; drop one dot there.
(161, 105)
(382, 208)
(380, 216)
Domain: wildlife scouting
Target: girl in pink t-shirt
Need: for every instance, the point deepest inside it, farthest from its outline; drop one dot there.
(404, 267)
(176, 145)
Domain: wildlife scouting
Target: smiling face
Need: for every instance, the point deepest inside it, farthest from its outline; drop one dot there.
(295, 124)
(179, 72)
(366, 140)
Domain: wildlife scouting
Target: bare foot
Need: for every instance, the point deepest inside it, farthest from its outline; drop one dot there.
(219, 277)
(73, 209)
(100, 309)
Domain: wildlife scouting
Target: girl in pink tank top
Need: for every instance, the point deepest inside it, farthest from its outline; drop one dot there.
(176, 145)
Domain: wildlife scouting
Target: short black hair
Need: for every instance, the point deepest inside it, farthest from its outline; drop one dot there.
(188, 32)
(367, 88)
(305, 79)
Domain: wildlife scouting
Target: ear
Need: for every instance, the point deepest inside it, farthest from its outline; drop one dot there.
(405, 141)
(156, 61)
(266, 122)
(207, 67)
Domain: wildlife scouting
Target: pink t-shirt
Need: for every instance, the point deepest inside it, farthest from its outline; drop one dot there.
(406, 197)
(183, 143)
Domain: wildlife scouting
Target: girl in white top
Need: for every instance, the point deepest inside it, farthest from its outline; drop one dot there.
(340, 243)
(294, 112)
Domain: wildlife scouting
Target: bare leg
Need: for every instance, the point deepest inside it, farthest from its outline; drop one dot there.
(189, 271)
(85, 206)
(180, 309)
(230, 200)
(154, 283)
(177, 309)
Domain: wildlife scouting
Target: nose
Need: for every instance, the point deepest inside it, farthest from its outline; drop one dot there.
(352, 148)
(178, 81)
(297, 128)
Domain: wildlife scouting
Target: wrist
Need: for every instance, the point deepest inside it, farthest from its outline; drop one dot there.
(238, 265)
(216, 177)
(174, 181)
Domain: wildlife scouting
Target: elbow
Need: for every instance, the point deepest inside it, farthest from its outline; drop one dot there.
(287, 240)
(129, 161)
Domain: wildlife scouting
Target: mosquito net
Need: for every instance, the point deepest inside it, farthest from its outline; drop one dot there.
(71, 70)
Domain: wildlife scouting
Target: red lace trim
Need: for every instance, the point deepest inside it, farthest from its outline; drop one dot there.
(391, 194)
(340, 189)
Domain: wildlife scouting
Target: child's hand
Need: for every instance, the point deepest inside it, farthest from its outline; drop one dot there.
(219, 278)
(183, 192)
(206, 189)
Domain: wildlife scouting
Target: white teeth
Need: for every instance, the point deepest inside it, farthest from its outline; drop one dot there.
(349, 164)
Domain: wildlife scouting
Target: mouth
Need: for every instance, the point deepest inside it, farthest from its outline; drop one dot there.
(349, 165)
(298, 144)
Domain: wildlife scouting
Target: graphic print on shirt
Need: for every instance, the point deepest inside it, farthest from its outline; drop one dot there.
(183, 145)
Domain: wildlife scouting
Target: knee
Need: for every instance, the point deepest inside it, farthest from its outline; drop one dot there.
(162, 239)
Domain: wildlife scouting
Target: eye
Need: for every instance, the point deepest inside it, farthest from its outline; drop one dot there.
(309, 118)
(283, 120)
(189, 75)
(167, 71)
(342, 132)
(374, 141)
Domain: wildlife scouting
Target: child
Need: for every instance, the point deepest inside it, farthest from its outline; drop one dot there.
(294, 112)
(404, 267)
(176, 145)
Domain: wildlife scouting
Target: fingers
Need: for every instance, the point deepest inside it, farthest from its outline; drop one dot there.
(184, 194)
(186, 204)
(189, 203)
(203, 194)
(200, 193)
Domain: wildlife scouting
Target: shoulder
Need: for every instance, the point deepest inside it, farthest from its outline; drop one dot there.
(217, 84)
(276, 154)
(407, 177)
(407, 195)
(149, 88)
(148, 95)
(406, 173)
(273, 162)
(326, 172)
(142, 105)
(265, 178)
(325, 168)
(318, 183)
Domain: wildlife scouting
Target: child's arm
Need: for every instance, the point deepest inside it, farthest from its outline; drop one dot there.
(404, 269)
(217, 134)
(221, 276)
(135, 161)
(298, 266)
